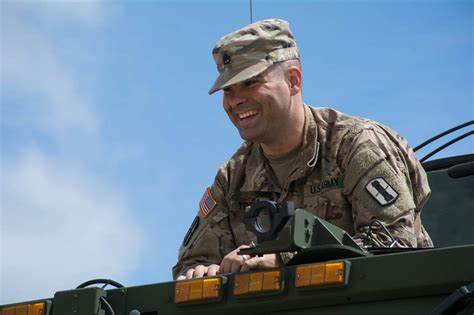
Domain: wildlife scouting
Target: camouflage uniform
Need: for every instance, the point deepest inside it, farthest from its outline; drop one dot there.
(349, 171)
(339, 157)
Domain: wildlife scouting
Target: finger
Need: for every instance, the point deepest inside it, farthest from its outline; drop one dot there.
(181, 277)
(199, 271)
(250, 264)
(226, 264)
(190, 273)
(237, 251)
(237, 264)
(223, 266)
(212, 270)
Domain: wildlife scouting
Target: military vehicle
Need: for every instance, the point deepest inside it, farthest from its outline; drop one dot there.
(330, 274)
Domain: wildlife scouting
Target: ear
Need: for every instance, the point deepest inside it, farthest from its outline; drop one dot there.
(295, 79)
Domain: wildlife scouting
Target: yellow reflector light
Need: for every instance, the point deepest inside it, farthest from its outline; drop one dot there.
(36, 309)
(320, 274)
(257, 282)
(195, 290)
(8, 311)
(24, 309)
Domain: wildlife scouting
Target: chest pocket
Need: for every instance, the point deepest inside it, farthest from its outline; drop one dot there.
(316, 204)
(320, 195)
(332, 206)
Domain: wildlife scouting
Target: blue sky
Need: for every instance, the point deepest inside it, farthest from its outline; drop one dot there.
(109, 138)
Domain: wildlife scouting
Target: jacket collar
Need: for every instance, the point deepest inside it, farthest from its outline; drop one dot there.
(258, 173)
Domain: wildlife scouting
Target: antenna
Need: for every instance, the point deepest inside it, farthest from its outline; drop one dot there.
(251, 13)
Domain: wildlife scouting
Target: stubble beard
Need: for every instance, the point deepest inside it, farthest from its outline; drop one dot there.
(252, 135)
(266, 132)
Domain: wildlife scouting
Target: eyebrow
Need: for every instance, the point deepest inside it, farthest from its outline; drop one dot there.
(257, 77)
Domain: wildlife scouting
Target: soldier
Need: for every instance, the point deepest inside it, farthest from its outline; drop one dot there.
(350, 171)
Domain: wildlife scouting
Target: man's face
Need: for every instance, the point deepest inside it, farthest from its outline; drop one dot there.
(259, 107)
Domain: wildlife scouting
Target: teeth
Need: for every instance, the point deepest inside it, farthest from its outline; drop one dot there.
(247, 114)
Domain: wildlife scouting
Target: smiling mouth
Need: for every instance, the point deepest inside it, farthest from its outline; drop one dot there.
(248, 118)
(247, 114)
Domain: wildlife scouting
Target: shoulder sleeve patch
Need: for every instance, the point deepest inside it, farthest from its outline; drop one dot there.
(381, 191)
(207, 203)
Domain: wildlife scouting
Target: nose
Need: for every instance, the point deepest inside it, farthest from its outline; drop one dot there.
(233, 100)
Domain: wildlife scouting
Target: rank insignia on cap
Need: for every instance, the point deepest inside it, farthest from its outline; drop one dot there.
(225, 59)
(381, 191)
(207, 203)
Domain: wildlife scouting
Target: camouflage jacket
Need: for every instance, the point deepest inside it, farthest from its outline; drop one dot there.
(349, 172)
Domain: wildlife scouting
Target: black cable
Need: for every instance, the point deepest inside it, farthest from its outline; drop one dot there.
(105, 283)
(447, 144)
(442, 135)
(100, 281)
(369, 233)
(108, 305)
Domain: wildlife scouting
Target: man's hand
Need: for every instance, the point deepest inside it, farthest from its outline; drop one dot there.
(267, 261)
(199, 272)
(233, 262)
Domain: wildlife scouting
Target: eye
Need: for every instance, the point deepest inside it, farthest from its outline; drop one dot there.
(251, 82)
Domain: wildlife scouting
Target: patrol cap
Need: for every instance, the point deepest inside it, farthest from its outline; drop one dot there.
(249, 51)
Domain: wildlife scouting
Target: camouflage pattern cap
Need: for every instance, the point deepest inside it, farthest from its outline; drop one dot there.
(249, 51)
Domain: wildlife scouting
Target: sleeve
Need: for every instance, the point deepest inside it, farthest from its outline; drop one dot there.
(209, 238)
(378, 186)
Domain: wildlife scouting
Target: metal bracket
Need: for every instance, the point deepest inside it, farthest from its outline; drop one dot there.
(84, 301)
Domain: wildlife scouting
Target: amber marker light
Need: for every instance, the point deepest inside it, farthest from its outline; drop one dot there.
(8, 311)
(197, 290)
(255, 282)
(320, 274)
(24, 309)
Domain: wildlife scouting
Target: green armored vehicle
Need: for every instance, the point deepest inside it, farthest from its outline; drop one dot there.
(330, 274)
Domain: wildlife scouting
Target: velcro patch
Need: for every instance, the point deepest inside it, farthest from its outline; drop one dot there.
(191, 231)
(358, 167)
(207, 203)
(381, 191)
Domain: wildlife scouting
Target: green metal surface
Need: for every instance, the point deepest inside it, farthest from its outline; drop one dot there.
(418, 305)
(425, 276)
(306, 232)
(449, 213)
(78, 302)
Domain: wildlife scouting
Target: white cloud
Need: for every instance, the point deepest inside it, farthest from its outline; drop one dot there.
(90, 13)
(29, 65)
(60, 227)
(87, 12)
